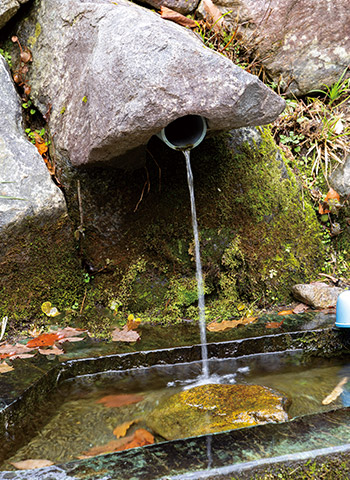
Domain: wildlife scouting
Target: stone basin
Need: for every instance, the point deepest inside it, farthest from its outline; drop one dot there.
(318, 435)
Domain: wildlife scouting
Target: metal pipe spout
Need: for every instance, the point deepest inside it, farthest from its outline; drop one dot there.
(184, 133)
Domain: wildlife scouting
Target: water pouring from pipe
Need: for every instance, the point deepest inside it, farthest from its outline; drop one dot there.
(184, 134)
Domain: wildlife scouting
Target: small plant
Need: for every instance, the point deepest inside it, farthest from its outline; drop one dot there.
(293, 139)
(337, 90)
(29, 105)
(6, 56)
(32, 134)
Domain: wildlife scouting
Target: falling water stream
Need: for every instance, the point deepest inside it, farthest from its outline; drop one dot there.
(199, 275)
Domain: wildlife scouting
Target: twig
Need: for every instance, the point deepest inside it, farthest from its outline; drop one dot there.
(82, 303)
(143, 191)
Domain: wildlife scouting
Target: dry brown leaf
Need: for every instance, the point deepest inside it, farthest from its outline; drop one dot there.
(300, 308)
(69, 332)
(125, 335)
(285, 312)
(119, 400)
(213, 15)
(40, 143)
(176, 17)
(120, 430)
(4, 367)
(51, 351)
(336, 392)
(227, 324)
(15, 351)
(32, 463)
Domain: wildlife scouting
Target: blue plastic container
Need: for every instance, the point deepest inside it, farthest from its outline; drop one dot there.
(343, 310)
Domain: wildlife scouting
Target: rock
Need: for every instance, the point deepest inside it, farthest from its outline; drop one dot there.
(216, 408)
(340, 178)
(181, 6)
(301, 47)
(8, 8)
(23, 172)
(112, 87)
(318, 294)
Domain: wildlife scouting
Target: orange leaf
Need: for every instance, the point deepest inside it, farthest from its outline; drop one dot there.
(40, 143)
(332, 195)
(274, 324)
(120, 430)
(112, 401)
(169, 14)
(133, 323)
(44, 340)
(140, 438)
(323, 208)
(227, 324)
(285, 312)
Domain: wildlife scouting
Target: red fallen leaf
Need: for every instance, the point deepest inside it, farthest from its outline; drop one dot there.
(176, 17)
(274, 324)
(119, 400)
(285, 312)
(4, 355)
(44, 340)
(140, 438)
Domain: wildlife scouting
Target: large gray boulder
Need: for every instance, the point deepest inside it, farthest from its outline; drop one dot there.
(115, 74)
(303, 44)
(340, 178)
(8, 8)
(26, 188)
(181, 6)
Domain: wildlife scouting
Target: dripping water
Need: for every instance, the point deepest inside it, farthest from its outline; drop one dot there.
(199, 275)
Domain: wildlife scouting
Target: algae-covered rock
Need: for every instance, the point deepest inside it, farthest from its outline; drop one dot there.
(216, 408)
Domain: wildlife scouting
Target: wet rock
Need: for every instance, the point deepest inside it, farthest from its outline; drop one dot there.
(112, 87)
(216, 408)
(8, 8)
(24, 175)
(301, 46)
(181, 6)
(318, 294)
(340, 178)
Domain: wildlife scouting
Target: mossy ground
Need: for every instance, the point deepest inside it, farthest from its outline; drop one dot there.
(258, 238)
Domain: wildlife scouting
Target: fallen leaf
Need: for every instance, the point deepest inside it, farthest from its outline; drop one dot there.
(119, 400)
(125, 335)
(285, 312)
(51, 351)
(323, 208)
(15, 351)
(227, 324)
(112, 446)
(332, 195)
(336, 392)
(69, 332)
(133, 323)
(4, 367)
(176, 17)
(44, 340)
(32, 463)
(40, 144)
(140, 438)
(213, 14)
(49, 310)
(300, 308)
(120, 430)
(274, 324)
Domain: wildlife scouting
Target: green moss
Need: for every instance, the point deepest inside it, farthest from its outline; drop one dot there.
(32, 40)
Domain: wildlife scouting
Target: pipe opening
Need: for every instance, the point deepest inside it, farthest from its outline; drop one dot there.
(184, 133)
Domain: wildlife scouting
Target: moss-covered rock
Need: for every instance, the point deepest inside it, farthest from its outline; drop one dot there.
(216, 408)
(258, 235)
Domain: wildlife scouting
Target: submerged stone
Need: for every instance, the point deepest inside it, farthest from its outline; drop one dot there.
(216, 408)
